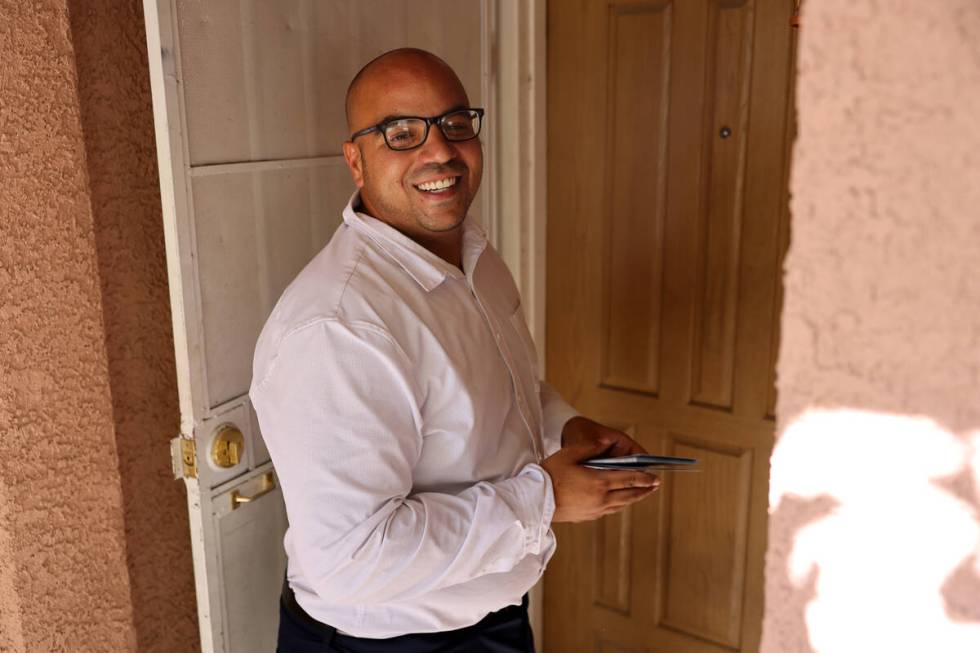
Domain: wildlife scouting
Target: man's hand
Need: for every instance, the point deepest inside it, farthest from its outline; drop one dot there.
(581, 430)
(583, 494)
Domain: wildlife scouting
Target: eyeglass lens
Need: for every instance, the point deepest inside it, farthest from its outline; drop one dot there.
(407, 133)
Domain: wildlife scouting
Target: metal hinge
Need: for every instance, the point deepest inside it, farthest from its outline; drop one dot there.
(183, 458)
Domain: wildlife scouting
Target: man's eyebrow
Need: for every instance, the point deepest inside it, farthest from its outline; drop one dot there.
(402, 116)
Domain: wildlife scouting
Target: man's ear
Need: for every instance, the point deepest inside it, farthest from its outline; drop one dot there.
(352, 155)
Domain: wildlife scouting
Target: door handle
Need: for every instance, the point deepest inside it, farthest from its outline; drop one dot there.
(268, 485)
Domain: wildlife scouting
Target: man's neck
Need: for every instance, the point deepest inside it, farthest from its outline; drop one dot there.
(446, 245)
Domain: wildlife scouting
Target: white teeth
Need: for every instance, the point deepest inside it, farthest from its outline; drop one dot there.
(439, 184)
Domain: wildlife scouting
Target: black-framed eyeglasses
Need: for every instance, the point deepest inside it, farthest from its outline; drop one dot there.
(408, 132)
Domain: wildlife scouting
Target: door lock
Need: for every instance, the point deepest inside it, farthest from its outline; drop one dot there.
(228, 446)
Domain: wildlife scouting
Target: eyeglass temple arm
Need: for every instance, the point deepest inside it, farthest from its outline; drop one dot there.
(366, 130)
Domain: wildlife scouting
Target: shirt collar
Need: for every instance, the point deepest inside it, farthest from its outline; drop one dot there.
(427, 269)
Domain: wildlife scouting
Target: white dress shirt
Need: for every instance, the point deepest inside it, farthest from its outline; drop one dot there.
(400, 402)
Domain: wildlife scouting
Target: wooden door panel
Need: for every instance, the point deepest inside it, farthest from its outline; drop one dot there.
(706, 538)
(639, 70)
(708, 424)
(765, 232)
(663, 285)
(728, 41)
(614, 561)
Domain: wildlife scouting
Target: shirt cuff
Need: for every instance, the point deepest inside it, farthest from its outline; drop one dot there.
(539, 493)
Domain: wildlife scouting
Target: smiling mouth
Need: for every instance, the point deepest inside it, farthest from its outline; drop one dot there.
(438, 185)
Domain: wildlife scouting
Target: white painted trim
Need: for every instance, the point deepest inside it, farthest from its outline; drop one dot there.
(169, 117)
(489, 93)
(521, 184)
(521, 138)
(168, 197)
(537, 178)
(235, 167)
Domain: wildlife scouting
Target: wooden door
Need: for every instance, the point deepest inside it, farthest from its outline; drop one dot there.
(248, 102)
(668, 132)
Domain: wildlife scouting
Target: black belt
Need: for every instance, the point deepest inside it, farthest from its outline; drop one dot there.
(296, 610)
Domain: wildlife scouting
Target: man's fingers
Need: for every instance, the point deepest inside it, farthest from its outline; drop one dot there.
(619, 499)
(620, 480)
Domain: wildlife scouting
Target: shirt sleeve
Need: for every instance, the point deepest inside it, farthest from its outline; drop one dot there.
(340, 413)
(556, 412)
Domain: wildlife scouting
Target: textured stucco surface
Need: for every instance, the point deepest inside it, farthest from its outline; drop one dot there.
(65, 551)
(880, 350)
(117, 121)
(94, 552)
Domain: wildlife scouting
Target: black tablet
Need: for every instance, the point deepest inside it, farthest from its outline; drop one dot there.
(641, 461)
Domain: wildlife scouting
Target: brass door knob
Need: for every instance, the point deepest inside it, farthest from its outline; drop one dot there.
(228, 446)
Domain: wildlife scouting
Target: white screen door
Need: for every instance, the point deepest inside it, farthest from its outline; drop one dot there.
(248, 101)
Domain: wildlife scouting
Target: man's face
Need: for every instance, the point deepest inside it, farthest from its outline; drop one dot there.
(393, 184)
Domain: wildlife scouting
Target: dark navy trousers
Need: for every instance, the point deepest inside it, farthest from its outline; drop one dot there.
(505, 631)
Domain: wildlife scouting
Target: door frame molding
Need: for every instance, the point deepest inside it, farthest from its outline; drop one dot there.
(518, 229)
(518, 226)
(171, 144)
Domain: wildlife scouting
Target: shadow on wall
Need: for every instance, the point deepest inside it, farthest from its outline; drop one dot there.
(964, 579)
(117, 122)
(792, 516)
(875, 528)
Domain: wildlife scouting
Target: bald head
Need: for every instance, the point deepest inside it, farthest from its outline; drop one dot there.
(424, 190)
(396, 69)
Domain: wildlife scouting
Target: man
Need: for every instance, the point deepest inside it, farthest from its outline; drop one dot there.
(397, 389)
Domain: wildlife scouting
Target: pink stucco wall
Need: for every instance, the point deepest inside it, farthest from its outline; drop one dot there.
(94, 548)
(874, 534)
(109, 42)
(63, 541)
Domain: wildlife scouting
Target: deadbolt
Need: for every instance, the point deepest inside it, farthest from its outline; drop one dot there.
(228, 446)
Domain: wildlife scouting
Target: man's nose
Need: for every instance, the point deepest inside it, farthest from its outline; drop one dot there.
(436, 147)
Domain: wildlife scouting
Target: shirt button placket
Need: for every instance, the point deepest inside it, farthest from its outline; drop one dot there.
(522, 404)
